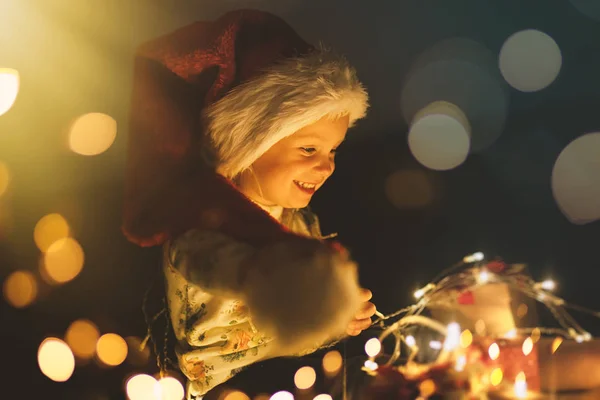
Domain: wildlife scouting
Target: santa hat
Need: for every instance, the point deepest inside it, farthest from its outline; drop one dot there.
(215, 96)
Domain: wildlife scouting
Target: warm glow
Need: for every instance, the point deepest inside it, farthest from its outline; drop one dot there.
(461, 362)
(452, 337)
(169, 388)
(466, 338)
(4, 178)
(283, 395)
(494, 351)
(141, 387)
(111, 349)
(410, 341)
(520, 386)
(473, 257)
(435, 344)
(56, 360)
(371, 365)
(556, 344)
(332, 362)
(20, 289)
(323, 397)
(64, 260)
(372, 347)
(237, 395)
(92, 134)
(82, 336)
(483, 277)
(496, 376)
(427, 388)
(527, 346)
(511, 334)
(135, 354)
(548, 285)
(536, 333)
(9, 88)
(305, 377)
(49, 229)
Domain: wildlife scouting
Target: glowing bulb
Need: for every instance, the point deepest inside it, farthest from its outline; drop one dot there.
(9, 88)
(372, 347)
(169, 388)
(548, 285)
(283, 395)
(556, 344)
(332, 363)
(473, 257)
(424, 290)
(305, 378)
(452, 337)
(141, 387)
(527, 346)
(461, 362)
(511, 334)
(483, 277)
(56, 359)
(111, 349)
(466, 338)
(494, 351)
(371, 365)
(435, 344)
(496, 376)
(410, 341)
(520, 386)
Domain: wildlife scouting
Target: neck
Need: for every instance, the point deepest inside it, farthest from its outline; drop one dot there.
(274, 211)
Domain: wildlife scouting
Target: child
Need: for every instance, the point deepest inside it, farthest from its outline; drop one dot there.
(235, 124)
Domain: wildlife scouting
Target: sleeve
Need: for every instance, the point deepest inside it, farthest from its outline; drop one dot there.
(299, 290)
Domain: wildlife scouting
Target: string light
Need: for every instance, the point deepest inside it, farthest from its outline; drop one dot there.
(475, 257)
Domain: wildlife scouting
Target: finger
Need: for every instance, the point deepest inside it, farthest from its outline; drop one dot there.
(360, 324)
(367, 311)
(353, 332)
(365, 294)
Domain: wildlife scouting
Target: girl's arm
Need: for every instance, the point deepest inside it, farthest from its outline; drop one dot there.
(299, 291)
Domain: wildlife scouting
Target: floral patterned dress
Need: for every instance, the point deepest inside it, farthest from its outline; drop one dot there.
(216, 337)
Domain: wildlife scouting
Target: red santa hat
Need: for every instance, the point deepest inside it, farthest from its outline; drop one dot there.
(213, 97)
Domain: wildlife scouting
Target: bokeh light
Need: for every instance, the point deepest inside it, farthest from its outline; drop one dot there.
(50, 229)
(496, 376)
(494, 351)
(439, 137)
(332, 362)
(20, 288)
(82, 336)
(135, 354)
(556, 344)
(4, 178)
(169, 388)
(466, 338)
(63, 261)
(465, 73)
(111, 349)
(530, 60)
(9, 88)
(141, 387)
(305, 378)
(527, 346)
(536, 334)
(522, 310)
(372, 347)
(410, 189)
(323, 396)
(576, 179)
(237, 395)
(56, 360)
(427, 388)
(92, 134)
(283, 395)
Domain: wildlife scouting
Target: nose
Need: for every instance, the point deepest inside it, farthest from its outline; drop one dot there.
(325, 166)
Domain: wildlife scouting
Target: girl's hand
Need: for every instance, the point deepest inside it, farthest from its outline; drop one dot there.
(362, 320)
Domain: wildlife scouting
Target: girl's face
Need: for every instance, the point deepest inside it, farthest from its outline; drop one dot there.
(293, 169)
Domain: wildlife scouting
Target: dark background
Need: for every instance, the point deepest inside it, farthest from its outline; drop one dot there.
(77, 58)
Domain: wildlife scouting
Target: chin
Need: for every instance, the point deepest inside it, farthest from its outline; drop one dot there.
(298, 203)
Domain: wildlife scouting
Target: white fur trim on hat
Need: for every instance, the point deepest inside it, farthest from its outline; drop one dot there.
(290, 95)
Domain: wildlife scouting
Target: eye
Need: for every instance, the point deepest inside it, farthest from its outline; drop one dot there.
(308, 150)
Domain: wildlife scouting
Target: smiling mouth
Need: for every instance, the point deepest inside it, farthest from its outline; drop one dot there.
(306, 187)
